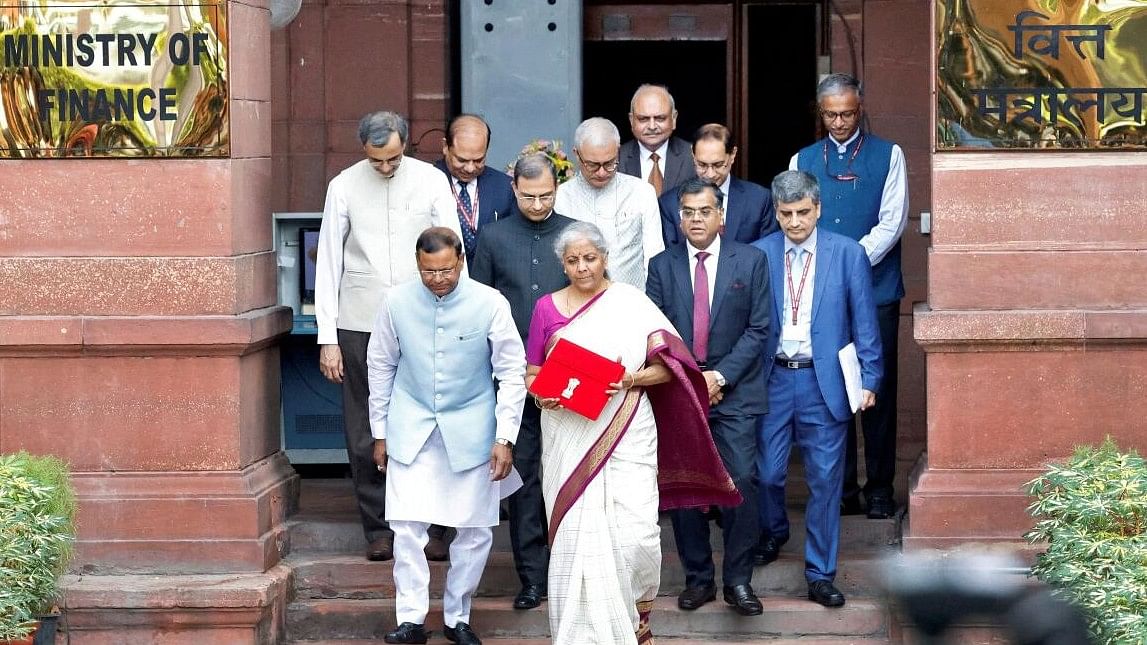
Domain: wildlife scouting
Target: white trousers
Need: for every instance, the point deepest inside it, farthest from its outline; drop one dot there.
(468, 553)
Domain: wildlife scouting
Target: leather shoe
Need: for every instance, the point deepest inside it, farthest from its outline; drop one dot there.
(881, 508)
(529, 597)
(407, 633)
(461, 634)
(851, 506)
(743, 600)
(436, 549)
(823, 592)
(767, 551)
(382, 549)
(694, 597)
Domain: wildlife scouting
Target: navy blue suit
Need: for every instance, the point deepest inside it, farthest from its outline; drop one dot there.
(810, 405)
(495, 200)
(739, 324)
(748, 218)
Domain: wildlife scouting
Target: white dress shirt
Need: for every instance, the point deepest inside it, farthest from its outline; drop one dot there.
(710, 265)
(647, 162)
(627, 213)
(804, 308)
(893, 203)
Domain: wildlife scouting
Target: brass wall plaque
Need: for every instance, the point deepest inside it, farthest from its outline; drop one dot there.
(1061, 74)
(133, 78)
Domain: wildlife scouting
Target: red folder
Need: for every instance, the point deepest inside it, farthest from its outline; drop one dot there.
(578, 377)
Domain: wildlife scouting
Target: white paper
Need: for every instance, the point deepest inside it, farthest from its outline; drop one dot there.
(850, 365)
(510, 484)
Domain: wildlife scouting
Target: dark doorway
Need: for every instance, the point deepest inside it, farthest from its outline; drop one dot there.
(694, 71)
(780, 85)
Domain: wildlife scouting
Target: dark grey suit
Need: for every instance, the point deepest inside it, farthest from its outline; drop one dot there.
(739, 324)
(678, 162)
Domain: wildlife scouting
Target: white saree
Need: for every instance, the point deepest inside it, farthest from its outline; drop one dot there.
(605, 560)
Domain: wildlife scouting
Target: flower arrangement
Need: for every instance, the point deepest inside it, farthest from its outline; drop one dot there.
(551, 148)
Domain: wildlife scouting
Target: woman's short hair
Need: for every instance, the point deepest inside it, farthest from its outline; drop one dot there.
(580, 232)
(376, 128)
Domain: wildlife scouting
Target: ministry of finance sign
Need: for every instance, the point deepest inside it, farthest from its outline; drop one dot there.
(134, 78)
(1060, 74)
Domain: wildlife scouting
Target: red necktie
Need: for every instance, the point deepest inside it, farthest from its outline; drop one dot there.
(701, 309)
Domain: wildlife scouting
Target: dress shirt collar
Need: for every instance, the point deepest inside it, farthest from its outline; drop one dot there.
(808, 245)
(661, 151)
(841, 147)
(714, 248)
(471, 185)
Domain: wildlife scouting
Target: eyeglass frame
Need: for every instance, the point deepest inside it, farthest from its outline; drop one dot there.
(846, 115)
(394, 162)
(593, 166)
(686, 213)
(431, 274)
(545, 200)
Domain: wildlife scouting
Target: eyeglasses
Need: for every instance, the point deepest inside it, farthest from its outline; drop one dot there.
(545, 200)
(847, 175)
(699, 213)
(431, 274)
(393, 162)
(846, 115)
(701, 166)
(594, 166)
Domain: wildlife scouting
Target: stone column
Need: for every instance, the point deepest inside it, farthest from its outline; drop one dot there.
(1034, 330)
(137, 329)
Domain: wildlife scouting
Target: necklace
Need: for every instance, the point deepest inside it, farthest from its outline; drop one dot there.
(570, 309)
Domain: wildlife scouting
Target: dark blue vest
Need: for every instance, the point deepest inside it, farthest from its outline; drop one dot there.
(852, 208)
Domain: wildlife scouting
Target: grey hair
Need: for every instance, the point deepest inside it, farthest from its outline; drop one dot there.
(580, 232)
(376, 128)
(596, 131)
(532, 165)
(646, 87)
(837, 84)
(794, 185)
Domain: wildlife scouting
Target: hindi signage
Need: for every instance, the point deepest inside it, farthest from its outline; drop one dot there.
(1041, 74)
(119, 79)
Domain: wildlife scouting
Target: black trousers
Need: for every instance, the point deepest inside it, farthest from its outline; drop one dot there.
(369, 483)
(736, 439)
(878, 422)
(528, 531)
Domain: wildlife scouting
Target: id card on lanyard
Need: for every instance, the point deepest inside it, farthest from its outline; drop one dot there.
(793, 329)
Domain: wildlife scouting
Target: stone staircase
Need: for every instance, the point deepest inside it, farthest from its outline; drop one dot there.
(340, 598)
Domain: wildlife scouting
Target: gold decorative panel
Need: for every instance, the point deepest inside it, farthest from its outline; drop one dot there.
(1061, 74)
(135, 78)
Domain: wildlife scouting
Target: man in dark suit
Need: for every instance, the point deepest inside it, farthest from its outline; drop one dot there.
(748, 206)
(654, 154)
(481, 195)
(716, 293)
(822, 295)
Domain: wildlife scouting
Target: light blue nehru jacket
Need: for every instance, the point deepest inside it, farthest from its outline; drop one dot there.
(447, 379)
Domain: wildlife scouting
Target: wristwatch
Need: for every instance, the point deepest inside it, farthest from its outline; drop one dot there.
(720, 379)
(504, 442)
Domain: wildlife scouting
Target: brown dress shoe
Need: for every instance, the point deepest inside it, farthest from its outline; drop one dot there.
(382, 548)
(437, 550)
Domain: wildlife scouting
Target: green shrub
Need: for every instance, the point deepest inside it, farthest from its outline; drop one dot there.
(1092, 512)
(37, 509)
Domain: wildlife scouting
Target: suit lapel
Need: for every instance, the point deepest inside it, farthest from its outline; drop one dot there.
(777, 279)
(825, 250)
(675, 164)
(684, 287)
(726, 269)
(732, 217)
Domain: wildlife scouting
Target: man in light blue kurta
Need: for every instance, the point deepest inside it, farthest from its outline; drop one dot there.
(442, 432)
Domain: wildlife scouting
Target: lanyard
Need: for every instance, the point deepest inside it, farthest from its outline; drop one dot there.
(471, 214)
(847, 176)
(795, 297)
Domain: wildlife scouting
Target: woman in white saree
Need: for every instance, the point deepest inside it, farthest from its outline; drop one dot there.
(600, 478)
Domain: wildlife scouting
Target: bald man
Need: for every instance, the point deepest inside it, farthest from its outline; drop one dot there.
(654, 154)
(481, 195)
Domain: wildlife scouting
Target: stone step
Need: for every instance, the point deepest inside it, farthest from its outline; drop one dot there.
(438, 638)
(861, 620)
(322, 575)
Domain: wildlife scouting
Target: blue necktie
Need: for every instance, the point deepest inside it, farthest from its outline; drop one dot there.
(469, 235)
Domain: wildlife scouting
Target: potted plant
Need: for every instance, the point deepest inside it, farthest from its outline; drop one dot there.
(1092, 513)
(37, 512)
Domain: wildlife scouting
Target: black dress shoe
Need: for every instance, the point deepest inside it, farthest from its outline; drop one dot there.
(881, 508)
(529, 597)
(462, 634)
(743, 600)
(823, 592)
(767, 551)
(381, 548)
(407, 633)
(694, 597)
(851, 506)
